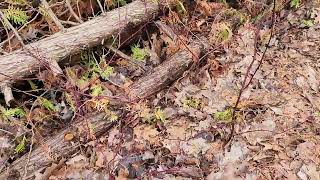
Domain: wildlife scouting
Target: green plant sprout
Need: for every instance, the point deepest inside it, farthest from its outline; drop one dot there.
(89, 61)
(224, 33)
(191, 102)
(33, 85)
(149, 117)
(295, 3)
(47, 104)
(159, 115)
(70, 101)
(225, 116)
(180, 7)
(96, 90)
(106, 72)
(307, 23)
(13, 112)
(138, 53)
(21, 146)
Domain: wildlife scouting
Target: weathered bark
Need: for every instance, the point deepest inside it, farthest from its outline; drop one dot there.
(31, 58)
(56, 147)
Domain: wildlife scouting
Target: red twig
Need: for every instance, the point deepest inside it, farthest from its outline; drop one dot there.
(244, 84)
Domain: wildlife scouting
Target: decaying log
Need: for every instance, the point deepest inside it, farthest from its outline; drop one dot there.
(56, 147)
(31, 58)
(165, 73)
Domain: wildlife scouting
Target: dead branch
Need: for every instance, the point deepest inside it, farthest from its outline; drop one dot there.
(72, 11)
(126, 57)
(52, 15)
(15, 32)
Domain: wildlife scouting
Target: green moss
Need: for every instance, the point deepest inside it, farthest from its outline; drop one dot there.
(47, 104)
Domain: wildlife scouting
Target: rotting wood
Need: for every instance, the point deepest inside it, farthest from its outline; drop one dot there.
(27, 61)
(56, 147)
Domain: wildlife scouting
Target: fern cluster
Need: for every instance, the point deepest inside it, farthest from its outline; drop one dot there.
(16, 15)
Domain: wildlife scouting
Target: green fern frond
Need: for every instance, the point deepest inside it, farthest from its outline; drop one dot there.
(16, 15)
(16, 2)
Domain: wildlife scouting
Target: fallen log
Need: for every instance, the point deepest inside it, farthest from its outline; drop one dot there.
(164, 74)
(34, 56)
(57, 147)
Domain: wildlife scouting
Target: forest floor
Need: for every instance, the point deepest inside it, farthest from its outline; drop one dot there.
(181, 132)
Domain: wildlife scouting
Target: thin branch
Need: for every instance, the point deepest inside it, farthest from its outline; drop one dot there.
(5, 131)
(52, 15)
(11, 27)
(100, 6)
(72, 12)
(126, 57)
(244, 83)
(20, 29)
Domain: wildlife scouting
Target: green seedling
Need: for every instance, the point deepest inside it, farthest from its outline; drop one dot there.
(307, 23)
(49, 105)
(224, 33)
(295, 4)
(21, 146)
(224, 116)
(191, 102)
(33, 85)
(138, 53)
(180, 7)
(96, 90)
(106, 72)
(159, 115)
(13, 112)
(149, 117)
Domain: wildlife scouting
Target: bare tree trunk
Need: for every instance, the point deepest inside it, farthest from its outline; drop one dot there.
(34, 56)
